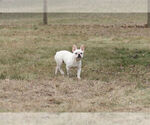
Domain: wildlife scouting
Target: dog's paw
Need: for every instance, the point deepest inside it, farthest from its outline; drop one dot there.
(79, 78)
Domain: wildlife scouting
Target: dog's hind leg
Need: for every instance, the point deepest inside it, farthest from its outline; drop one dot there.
(67, 68)
(56, 70)
(61, 71)
(59, 62)
(58, 67)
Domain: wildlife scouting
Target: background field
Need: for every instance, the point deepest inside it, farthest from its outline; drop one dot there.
(116, 65)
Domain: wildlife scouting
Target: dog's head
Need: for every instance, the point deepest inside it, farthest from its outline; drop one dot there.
(78, 53)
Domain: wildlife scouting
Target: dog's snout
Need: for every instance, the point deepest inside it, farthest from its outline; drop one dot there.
(79, 56)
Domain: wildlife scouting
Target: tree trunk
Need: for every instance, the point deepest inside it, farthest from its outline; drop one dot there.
(45, 19)
(148, 14)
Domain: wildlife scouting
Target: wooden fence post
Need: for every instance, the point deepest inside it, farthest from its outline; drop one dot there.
(148, 13)
(45, 19)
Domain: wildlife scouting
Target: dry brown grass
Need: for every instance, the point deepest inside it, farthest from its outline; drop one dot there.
(67, 95)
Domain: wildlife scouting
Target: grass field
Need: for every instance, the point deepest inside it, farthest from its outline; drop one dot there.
(116, 66)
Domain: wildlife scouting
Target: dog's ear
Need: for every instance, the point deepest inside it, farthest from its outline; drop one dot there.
(82, 47)
(74, 47)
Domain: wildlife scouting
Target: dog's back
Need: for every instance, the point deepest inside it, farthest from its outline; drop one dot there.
(61, 56)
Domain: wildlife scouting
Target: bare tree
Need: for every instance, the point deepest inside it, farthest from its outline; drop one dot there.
(45, 19)
(148, 13)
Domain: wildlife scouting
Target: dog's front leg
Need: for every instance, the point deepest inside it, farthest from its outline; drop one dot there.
(79, 72)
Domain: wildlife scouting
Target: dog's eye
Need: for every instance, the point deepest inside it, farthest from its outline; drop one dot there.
(81, 53)
(76, 53)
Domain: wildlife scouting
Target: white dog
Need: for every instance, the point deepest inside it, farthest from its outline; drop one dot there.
(70, 59)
